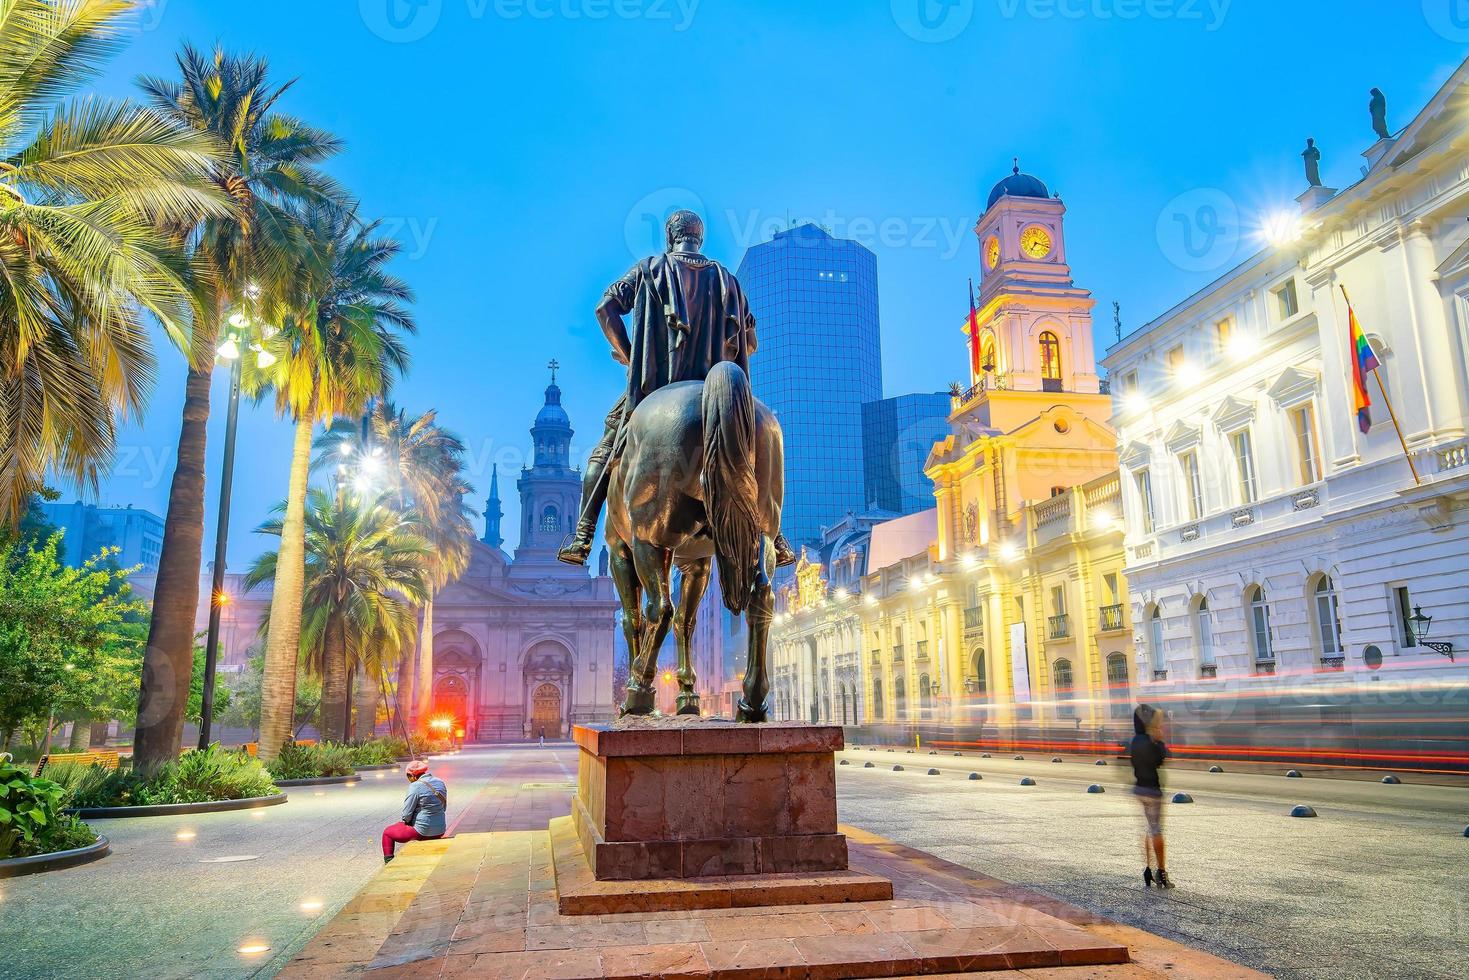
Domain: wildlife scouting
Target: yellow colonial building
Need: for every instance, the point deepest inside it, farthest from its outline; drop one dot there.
(1010, 616)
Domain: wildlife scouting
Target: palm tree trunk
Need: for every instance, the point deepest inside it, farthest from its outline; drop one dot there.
(334, 680)
(366, 703)
(403, 696)
(168, 660)
(283, 642)
(425, 685)
(347, 729)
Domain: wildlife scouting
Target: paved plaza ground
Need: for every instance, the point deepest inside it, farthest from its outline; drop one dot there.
(1373, 887)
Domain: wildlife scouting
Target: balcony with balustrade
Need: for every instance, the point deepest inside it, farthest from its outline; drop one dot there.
(1060, 626)
(898, 653)
(1111, 619)
(974, 619)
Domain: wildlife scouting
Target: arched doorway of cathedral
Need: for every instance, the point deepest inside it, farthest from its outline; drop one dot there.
(458, 663)
(545, 711)
(451, 698)
(547, 669)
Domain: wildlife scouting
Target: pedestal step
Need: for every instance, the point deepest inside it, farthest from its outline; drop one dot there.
(578, 891)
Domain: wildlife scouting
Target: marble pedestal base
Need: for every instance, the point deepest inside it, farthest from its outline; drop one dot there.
(682, 797)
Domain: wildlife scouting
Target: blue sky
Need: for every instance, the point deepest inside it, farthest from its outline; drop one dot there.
(523, 151)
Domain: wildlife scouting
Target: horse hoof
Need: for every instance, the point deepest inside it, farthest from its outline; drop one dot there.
(688, 704)
(749, 716)
(638, 703)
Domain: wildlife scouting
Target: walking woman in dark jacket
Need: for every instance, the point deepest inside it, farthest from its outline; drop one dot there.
(1148, 753)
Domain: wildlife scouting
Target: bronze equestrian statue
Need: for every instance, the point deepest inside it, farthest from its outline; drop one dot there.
(692, 336)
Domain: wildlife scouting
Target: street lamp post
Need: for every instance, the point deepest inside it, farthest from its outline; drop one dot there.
(229, 351)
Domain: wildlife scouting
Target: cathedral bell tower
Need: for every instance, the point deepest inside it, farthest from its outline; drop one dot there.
(550, 488)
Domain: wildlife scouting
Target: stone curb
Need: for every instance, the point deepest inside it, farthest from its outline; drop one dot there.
(56, 860)
(175, 809)
(320, 780)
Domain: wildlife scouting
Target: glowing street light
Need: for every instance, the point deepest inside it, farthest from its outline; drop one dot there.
(1009, 552)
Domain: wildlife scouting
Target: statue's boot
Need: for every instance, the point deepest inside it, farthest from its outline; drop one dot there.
(578, 549)
(784, 553)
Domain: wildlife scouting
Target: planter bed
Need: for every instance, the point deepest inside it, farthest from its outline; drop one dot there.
(319, 780)
(56, 860)
(175, 809)
(377, 768)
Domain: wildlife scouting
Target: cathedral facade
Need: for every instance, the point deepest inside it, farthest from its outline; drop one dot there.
(523, 645)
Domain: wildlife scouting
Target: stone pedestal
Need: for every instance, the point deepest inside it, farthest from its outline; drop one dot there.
(688, 797)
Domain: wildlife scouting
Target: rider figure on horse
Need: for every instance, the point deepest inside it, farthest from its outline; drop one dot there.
(689, 314)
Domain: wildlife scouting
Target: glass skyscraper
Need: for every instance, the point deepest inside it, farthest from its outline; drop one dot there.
(897, 434)
(815, 302)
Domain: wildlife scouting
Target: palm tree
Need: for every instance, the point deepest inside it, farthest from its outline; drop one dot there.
(341, 349)
(366, 568)
(242, 260)
(89, 191)
(422, 467)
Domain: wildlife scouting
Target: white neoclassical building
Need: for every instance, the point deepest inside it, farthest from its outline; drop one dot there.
(1270, 544)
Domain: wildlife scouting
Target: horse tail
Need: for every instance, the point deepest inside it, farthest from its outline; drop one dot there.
(731, 495)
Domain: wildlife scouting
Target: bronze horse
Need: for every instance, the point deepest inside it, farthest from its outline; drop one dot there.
(700, 480)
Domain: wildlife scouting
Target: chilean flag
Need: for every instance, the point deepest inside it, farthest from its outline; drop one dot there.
(976, 368)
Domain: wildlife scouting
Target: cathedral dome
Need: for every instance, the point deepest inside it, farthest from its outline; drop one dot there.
(552, 415)
(1017, 185)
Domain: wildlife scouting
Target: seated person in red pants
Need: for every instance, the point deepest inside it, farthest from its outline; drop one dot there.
(423, 810)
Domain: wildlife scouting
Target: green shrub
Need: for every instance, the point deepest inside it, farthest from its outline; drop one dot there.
(313, 761)
(427, 745)
(379, 751)
(206, 776)
(31, 821)
(77, 780)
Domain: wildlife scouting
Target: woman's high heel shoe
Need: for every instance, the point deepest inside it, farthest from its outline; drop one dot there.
(1163, 880)
(1147, 877)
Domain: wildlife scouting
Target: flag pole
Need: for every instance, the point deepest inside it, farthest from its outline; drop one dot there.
(1399, 429)
(1417, 482)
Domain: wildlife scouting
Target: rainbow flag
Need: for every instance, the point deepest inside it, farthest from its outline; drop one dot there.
(1364, 359)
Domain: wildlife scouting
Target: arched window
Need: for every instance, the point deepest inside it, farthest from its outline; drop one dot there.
(925, 694)
(877, 702)
(1156, 655)
(987, 353)
(1061, 675)
(1051, 361)
(550, 519)
(981, 673)
(1328, 621)
(900, 699)
(1204, 633)
(1119, 692)
(1259, 608)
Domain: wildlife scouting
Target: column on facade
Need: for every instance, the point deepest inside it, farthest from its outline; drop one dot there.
(1439, 358)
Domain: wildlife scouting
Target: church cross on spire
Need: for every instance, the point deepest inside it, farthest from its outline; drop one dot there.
(555, 366)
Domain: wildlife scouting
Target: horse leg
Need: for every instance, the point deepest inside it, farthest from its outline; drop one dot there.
(695, 582)
(758, 615)
(654, 567)
(639, 700)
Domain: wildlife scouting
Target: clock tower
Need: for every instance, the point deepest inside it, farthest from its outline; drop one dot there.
(1034, 324)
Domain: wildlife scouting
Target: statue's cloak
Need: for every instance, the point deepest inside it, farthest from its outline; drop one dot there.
(688, 314)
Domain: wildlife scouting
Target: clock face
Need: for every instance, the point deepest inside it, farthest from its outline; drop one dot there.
(1035, 242)
(992, 252)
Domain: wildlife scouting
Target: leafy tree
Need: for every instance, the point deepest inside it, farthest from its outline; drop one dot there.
(62, 632)
(366, 567)
(341, 345)
(195, 711)
(90, 192)
(242, 263)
